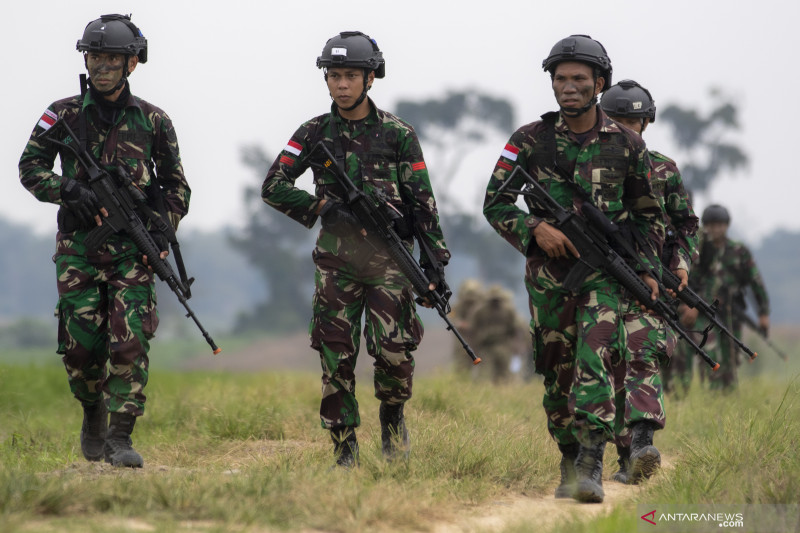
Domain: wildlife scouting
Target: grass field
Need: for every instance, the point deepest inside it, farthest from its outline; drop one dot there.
(244, 452)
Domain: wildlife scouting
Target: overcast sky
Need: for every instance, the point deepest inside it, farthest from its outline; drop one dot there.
(236, 73)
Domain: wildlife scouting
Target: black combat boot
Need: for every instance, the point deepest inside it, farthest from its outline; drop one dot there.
(569, 452)
(645, 459)
(345, 446)
(589, 470)
(624, 462)
(118, 449)
(93, 430)
(395, 442)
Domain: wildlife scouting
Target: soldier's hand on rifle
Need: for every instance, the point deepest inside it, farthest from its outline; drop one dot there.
(688, 315)
(553, 242)
(684, 277)
(653, 284)
(763, 324)
(338, 219)
(81, 200)
(436, 277)
(161, 242)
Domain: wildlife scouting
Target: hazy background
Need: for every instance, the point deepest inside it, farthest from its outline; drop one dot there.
(240, 72)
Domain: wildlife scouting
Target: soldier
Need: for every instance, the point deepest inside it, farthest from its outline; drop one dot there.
(580, 155)
(494, 328)
(106, 297)
(725, 269)
(470, 295)
(380, 152)
(640, 401)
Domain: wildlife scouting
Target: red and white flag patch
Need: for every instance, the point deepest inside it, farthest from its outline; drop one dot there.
(293, 148)
(418, 166)
(48, 119)
(510, 152)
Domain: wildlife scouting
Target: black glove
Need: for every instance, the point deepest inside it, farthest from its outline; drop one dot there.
(161, 240)
(81, 200)
(338, 219)
(435, 275)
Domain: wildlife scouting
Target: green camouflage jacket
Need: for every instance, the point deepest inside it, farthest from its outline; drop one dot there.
(681, 245)
(611, 166)
(724, 273)
(142, 140)
(382, 152)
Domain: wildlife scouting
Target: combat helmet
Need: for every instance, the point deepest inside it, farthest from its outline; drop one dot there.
(114, 34)
(352, 49)
(628, 99)
(580, 48)
(715, 213)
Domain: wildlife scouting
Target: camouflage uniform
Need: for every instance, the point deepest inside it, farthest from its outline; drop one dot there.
(107, 302)
(578, 338)
(470, 295)
(381, 153)
(494, 332)
(724, 274)
(651, 342)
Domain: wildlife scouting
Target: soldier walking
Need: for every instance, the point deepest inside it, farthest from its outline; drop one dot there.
(650, 344)
(106, 298)
(579, 155)
(381, 154)
(725, 270)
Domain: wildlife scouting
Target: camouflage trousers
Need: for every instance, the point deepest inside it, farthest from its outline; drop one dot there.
(578, 341)
(106, 316)
(392, 330)
(639, 390)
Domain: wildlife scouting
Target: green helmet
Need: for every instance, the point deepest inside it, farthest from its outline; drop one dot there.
(352, 49)
(114, 34)
(583, 49)
(628, 99)
(715, 213)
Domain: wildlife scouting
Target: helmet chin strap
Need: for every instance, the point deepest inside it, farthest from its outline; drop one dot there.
(120, 84)
(360, 98)
(572, 113)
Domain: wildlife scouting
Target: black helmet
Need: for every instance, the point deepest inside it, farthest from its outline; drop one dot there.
(715, 213)
(114, 34)
(352, 49)
(580, 48)
(628, 99)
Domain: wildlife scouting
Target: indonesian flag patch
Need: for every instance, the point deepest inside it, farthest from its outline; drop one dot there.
(48, 119)
(418, 166)
(294, 148)
(510, 152)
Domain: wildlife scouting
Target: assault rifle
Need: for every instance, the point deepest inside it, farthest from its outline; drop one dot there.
(378, 217)
(669, 281)
(596, 252)
(124, 201)
(741, 316)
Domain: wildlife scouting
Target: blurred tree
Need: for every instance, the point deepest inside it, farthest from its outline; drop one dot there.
(454, 126)
(708, 153)
(274, 245)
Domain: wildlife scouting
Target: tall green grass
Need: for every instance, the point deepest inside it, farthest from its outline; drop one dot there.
(244, 452)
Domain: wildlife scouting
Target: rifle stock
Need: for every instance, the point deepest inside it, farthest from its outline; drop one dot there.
(373, 212)
(121, 197)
